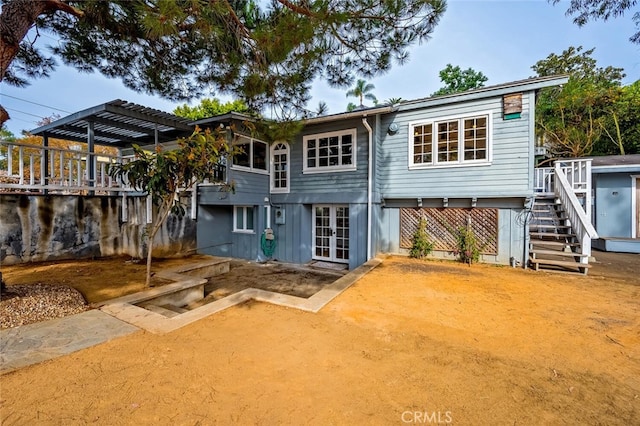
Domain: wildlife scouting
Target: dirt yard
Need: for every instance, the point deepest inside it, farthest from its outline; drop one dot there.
(412, 342)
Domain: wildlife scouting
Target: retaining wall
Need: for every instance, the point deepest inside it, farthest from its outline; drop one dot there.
(50, 227)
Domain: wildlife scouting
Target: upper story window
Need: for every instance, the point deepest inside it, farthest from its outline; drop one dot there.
(280, 167)
(253, 156)
(451, 141)
(334, 151)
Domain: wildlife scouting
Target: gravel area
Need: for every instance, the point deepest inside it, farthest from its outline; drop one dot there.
(26, 304)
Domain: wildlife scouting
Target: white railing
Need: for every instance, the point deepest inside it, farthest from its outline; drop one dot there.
(543, 180)
(36, 168)
(578, 218)
(578, 175)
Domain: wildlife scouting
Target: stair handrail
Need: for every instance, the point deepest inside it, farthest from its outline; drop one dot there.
(580, 223)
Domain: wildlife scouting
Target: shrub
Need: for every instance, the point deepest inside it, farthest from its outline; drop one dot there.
(467, 247)
(421, 245)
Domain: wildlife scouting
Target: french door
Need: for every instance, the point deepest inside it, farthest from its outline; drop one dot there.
(331, 233)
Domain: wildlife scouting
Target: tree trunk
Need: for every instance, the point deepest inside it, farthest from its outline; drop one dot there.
(16, 19)
(162, 217)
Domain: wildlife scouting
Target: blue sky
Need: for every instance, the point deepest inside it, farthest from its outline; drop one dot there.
(503, 39)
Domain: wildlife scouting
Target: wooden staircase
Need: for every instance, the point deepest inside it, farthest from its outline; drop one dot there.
(552, 243)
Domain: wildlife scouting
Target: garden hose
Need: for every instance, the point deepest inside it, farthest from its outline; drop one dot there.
(268, 242)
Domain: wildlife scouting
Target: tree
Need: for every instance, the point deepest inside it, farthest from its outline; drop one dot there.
(393, 101)
(362, 91)
(163, 174)
(573, 119)
(210, 107)
(621, 128)
(587, 10)
(322, 109)
(457, 80)
(266, 53)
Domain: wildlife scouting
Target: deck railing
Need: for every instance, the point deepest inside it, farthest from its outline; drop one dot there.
(33, 168)
(578, 175)
(66, 171)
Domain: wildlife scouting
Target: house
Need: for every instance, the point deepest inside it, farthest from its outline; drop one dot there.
(354, 184)
(616, 210)
(347, 187)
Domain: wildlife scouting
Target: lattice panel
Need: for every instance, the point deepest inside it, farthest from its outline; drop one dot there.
(440, 223)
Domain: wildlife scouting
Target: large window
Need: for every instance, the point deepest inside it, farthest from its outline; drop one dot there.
(243, 219)
(280, 167)
(335, 151)
(253, 156)
(452, 141)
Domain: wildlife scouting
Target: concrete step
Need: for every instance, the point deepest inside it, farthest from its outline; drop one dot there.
(160, 310)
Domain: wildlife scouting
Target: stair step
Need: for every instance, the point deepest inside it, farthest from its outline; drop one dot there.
(563, 263)
(552, 243)
(550, 235)
(539, 226)
(554, 218)
(160, 310)
(556, 253)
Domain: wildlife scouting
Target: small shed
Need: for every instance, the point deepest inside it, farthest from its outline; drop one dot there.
(616, 215)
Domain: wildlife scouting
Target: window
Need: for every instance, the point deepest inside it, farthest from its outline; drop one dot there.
(280, 167)
(253, 156)
(451, 141)
(335, 151)
(243, 219)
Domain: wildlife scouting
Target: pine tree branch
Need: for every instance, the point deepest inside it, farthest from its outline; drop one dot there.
(295, 8)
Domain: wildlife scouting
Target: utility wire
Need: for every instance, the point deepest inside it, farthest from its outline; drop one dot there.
(35, 103)
(22, 112)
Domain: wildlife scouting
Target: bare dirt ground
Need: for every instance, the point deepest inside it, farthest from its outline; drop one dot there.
(411, 342)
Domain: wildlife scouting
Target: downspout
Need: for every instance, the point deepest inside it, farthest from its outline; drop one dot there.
(369, 186)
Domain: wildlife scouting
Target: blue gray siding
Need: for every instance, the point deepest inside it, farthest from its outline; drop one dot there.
(250, 189)
(508, 175)
(328, 187)
(216, 236)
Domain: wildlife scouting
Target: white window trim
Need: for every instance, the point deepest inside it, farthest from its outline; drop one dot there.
(330, 169)
(434, 147)
(244, 219)
(272, 151)
(251, 169)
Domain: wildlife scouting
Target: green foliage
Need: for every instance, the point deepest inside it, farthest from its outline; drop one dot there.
(468, 248)
(210, 107)
(584, 116)
(266, 53)
(588, 10)
(362, 90)
(6, 134)
(393, 101)
(421, 245)
(457, 80)
(621, 127)
(163, 174)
